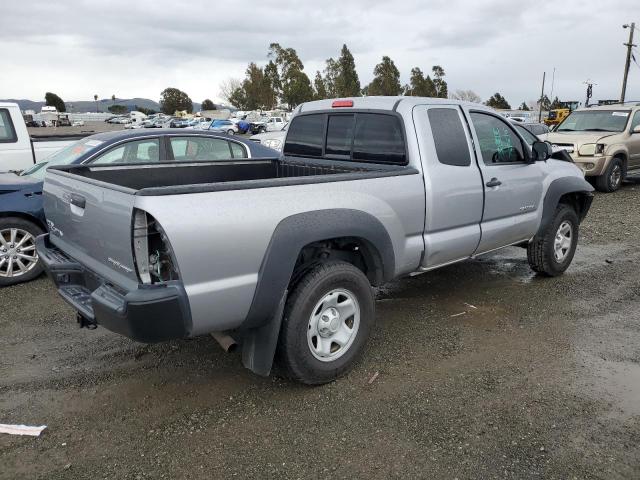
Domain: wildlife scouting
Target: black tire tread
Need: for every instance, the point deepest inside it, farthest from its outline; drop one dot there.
(539, 260)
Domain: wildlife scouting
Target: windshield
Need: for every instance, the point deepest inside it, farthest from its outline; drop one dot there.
(595, 121)
(65, 156)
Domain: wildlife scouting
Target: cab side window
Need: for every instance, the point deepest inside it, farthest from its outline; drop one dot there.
(636, 120)
(7, 132)
(498, 142)
(141, 151)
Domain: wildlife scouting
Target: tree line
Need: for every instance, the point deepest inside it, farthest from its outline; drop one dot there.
(283, 81)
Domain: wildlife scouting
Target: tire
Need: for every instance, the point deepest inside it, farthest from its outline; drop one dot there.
(314, 310)
(20, 228)
(611, 179)
(541, 252)
(231, 132)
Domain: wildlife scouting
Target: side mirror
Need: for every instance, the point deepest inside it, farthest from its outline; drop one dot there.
(541, 151)
(636, 129)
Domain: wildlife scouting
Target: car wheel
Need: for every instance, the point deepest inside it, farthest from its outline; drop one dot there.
(611, 179)
(230, 132)
(18, 257)
(551, 253)
(327, 321)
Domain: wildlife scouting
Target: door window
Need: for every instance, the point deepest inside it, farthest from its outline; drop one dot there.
(7, 132)
(194, 149)
(449, 137)
(141, 151)
(498, 142)
(636, 120)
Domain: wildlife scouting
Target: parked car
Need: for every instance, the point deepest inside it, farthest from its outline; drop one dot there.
(281, 253)
(538, 129)
(77, 123)
(19, 150)
(603, 141)
(223, 126)
(273, 140)
(271, 124)
(21, 214)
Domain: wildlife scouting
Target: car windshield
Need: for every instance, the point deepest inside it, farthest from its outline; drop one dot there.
(595, 121)
(66, 156)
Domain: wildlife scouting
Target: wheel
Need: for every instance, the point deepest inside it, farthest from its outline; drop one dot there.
(230, 132)
(327, 321)
(551, 253)
(611, 179)
(18, 258)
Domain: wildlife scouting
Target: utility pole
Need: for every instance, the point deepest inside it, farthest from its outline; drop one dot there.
(629, 45)
(589, 85)
(544, 74)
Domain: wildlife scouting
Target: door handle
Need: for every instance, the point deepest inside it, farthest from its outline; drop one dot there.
(494, 182)
(78, 200)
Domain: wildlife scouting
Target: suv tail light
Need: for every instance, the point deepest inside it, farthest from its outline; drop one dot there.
(154, 258)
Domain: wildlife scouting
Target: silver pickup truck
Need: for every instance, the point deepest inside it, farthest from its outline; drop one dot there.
(281, 254)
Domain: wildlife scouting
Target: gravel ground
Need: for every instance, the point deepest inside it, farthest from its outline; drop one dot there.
(539, 378)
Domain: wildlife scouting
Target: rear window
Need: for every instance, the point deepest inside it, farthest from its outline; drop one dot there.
(449, 137)
(361, 137)
(305, 136)
(7, 132)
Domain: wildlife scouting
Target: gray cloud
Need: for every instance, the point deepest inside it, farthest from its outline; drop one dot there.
(136, 48)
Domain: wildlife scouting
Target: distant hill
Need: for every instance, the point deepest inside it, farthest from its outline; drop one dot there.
(103, 104)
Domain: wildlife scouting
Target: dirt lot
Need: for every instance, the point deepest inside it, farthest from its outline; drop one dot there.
(540, 380)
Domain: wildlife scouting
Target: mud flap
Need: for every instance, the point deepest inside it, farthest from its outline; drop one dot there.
(259, 344)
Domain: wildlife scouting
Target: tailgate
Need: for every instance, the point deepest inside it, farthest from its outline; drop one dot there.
(92, 223)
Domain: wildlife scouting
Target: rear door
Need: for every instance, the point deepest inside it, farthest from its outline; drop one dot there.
(92, 224)
(453, 185)
(513, 187)
(634, 142)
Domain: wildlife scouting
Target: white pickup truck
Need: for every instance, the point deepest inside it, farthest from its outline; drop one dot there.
(18, 150)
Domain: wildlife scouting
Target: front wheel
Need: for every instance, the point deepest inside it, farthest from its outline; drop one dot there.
(551, 252)
(230, 132)
(326, 324)
(612, 177)
(18, 257)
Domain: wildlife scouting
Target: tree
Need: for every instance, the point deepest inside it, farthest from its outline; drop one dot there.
(439, 83)
(556, 104)
(117, 109)
(386, 80)
(466, 96)
(320, 89)
(498, 101)
(208, 105)
(274, 84)
(113, 99)
(95, 99)
(347, 81)
(544, 103)
(228, 86)
(296, 86)
(524, 107)
(238, 98)
(146, 111)
(420, 86)
(331, 74)
(53, 100)
(172, 100)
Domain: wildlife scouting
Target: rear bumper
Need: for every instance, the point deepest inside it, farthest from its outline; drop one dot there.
(153, 313)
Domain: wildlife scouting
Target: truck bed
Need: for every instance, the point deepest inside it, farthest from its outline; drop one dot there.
(168, 178)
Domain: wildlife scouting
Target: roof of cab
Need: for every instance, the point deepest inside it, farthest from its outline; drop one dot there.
(384, 103)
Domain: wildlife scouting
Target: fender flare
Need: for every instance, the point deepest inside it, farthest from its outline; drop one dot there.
(261, 327)
(558, 188)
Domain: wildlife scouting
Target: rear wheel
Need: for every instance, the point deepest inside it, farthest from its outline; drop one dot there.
(327, 321)
(551, 253)
(612, 177)
(18, 257)
(230, 132)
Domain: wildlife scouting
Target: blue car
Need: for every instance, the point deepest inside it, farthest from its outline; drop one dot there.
(21, 213)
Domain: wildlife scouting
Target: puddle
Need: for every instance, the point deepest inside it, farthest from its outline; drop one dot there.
(615, 382)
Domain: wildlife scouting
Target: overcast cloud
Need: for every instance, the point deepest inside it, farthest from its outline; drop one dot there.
(137, 48)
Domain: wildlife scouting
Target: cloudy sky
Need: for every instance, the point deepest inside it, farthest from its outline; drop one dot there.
(137, 48)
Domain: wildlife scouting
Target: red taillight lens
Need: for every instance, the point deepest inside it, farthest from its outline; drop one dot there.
(342, 103)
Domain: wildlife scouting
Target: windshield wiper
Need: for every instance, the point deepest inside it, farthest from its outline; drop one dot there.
(597, 130)
(565, 130)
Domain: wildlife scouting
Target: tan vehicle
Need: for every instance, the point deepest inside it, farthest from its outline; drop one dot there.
(603, 141)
